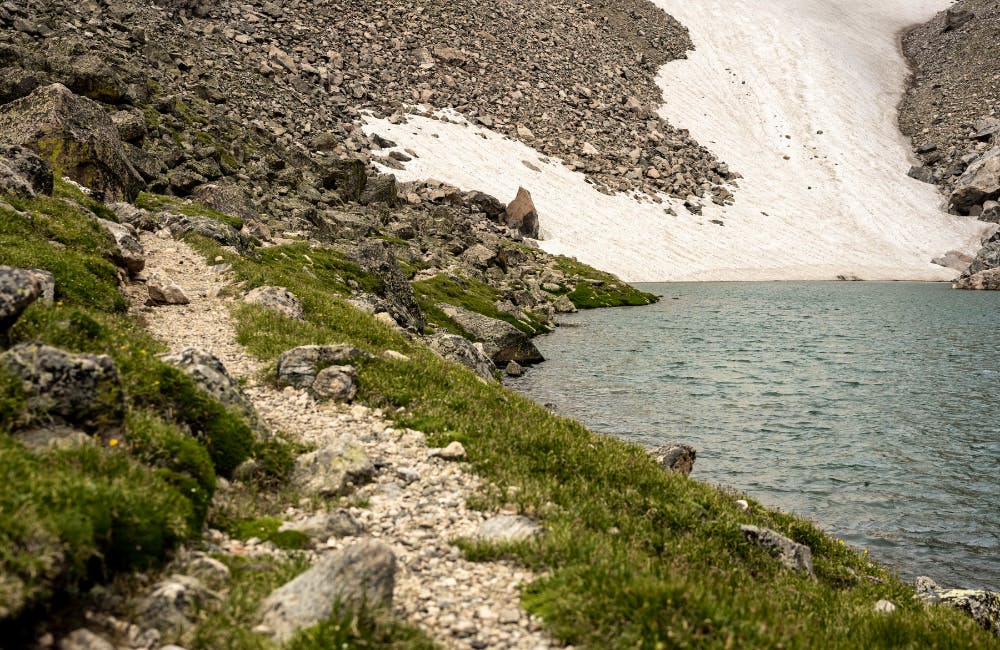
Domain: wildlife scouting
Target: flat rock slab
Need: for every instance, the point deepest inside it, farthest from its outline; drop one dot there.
(362, 575)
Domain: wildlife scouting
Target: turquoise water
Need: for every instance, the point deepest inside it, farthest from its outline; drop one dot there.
(871, 408)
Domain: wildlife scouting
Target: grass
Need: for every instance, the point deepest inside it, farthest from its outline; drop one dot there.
(599, 289)
(266, 530)
(469, 294)
(635, 557)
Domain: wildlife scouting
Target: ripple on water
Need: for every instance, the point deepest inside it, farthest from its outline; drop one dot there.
(868, 408)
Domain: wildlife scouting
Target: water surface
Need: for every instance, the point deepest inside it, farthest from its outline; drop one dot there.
(871, 408)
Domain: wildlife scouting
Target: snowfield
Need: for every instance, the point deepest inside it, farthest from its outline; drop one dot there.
(800, 97)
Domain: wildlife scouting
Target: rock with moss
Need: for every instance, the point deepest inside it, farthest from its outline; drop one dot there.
(299, 366)
(793, 555)
(212, 378)
(129, 253)
(360, 576)
(76, 136)
(83, 390)
(380, 188)
(324, 525)
(333, 470)
(19, 288)
(228, 198)
(23, 173)
(508, 528)
(501, 341)
(374, 257)
(461, 350)
(348, 177)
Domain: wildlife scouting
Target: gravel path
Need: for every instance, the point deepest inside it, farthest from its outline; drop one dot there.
(416, 504)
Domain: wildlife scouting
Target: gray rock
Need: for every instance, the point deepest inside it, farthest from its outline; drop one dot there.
(380, 188)
(461, 350)
(514, 369)
(485, 203)
(675, 457)
(375, 257)
(76, 135)
(129, 254)
(79, 389)
(333, 470)
(131, 125)
(924, 174)
(522, 215)
(501, 341)
(323, 526)
(337, 383)
(19, 288)
(23, 173)
(454, 451)
(988, 280)
(360, 576)
(981, 604)
(299, 366)
(979, 183)
(508, 528)
(84, 639)
(164, 291)
(955, 18)
(211, 376)
(991, 212)
(885, 607)
(174, 603)
(347, 176)
(277, 298)
(228, 198)
(793, 555)
(207, 569)
(563, 305)
(221, 232)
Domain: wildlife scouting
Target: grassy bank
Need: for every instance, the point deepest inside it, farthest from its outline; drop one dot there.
(636, 557)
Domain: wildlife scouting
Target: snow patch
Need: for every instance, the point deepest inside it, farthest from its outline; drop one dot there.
(840, 204)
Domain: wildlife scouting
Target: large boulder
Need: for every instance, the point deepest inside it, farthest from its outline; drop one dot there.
(793, 555)
(374, 257)
(461, 350)
(18, 289)
(988, 280)
(79, 389)
(501, 341)
(360, 576)
(228, 198)
(347, 176)
(982, 605)
(212, 378)
(299, 366)
(333, 470)
(23, 173)
(522, 215)
(380, 188)
(979, 183)
(76, 136)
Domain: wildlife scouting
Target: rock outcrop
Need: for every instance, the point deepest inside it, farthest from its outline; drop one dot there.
(502, 342)
(375, 257)
(461, 350)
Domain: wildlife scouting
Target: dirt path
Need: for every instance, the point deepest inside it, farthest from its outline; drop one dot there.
(416, 504)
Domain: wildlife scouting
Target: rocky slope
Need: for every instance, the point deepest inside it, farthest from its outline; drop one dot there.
(952, 113)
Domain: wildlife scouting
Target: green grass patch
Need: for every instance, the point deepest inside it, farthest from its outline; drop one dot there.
(361, 631)
(187, 207)
(599, 289)
(469, 294)
(635, 557)
(266, 529)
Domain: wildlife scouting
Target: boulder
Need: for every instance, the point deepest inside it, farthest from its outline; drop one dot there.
(299, 366)
(228, 198)
(453, 451)
(23, 173)
(76, 136)
(337, 383)
(979, 183)
(131, 125)
(129, 253)
(323, 526)
(675, 457)
(173, 604)
(380, 188)
(955, 18)
(514, 369)
(278, 299)
(508, 528)
(375, 258)
(347, 176)
(212, 378)
(461, 350)
(79, 389)
(982, 605)
(485, 203)
(219, 231)
(501, 341)
(563, 305)
(793, 555)
(18, 289)
(333, 470)
(360, 576)
(521, 214)
(208, 570)
(991, 212)
(164, 291)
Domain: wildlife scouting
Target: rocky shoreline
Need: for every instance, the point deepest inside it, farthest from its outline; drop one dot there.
(951, 113)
